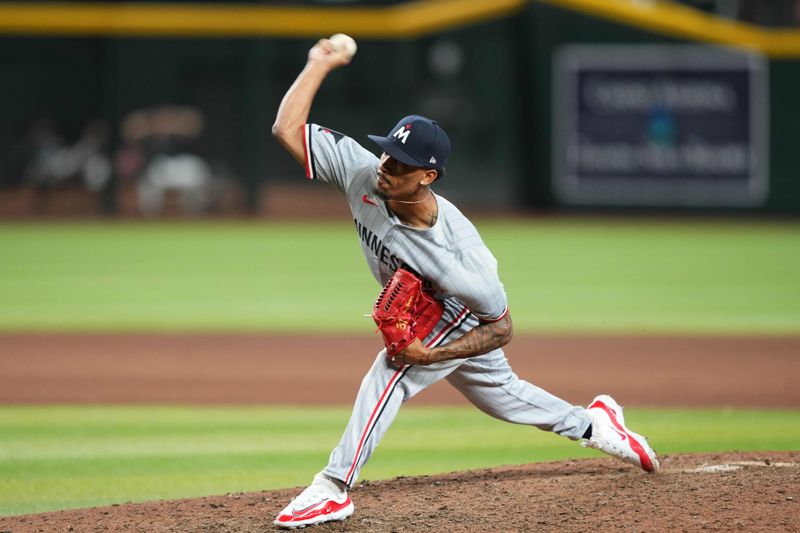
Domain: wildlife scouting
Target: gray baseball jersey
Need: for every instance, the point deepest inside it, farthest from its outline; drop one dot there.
(462, 273)
(450, 255)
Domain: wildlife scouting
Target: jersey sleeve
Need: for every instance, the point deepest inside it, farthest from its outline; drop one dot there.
(477, 285)
(333, 157)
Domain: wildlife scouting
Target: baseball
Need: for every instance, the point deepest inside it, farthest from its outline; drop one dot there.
(344, 44)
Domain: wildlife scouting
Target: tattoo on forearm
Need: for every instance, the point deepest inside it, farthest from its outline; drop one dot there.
(481, 340)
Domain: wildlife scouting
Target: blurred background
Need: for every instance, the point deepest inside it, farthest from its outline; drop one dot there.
(164, 110)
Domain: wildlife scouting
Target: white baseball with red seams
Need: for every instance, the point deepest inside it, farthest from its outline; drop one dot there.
(344, 44)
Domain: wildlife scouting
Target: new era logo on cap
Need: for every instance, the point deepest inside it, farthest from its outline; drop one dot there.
(417, 141)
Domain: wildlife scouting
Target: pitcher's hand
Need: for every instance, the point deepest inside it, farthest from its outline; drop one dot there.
(324, 53)
(415, 353)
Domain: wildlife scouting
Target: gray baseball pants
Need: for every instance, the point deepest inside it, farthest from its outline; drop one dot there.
(487, 381)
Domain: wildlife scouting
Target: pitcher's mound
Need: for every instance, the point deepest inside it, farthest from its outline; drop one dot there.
(720, 491)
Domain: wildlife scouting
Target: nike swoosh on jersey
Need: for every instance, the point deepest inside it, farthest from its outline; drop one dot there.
(366, 200)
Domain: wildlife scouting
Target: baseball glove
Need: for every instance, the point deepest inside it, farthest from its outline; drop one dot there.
(404, 311)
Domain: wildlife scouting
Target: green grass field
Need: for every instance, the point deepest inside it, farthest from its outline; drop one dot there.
(68, 457)
(561, 276)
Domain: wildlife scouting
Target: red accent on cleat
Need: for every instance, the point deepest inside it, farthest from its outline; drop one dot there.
(638, 449)
(306, 515)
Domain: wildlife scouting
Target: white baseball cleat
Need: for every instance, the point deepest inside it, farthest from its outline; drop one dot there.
(322, 501)
(610, 435)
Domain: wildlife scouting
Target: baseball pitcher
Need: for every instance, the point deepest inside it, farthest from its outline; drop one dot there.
(442, 312)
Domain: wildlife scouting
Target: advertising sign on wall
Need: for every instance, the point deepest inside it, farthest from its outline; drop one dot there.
(659, 125)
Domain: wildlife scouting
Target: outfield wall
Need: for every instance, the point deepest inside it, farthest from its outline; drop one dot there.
(553, 28)
(489, 78)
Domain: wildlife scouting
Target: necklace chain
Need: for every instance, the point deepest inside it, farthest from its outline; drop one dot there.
(415, 201)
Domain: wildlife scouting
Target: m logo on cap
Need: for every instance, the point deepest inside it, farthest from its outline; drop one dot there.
(428, 147)
(403, 133)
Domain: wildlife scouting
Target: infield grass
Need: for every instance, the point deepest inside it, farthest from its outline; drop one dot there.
(584, 275)
(70, 457)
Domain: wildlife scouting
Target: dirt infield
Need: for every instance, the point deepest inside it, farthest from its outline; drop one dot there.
(253, 369)
(720, 492)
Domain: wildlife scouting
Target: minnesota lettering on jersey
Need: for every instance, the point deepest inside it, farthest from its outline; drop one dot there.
(382, 253)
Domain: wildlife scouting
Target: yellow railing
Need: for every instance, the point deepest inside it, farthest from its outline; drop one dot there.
(673, 19)
(406, 20)
(190, 20)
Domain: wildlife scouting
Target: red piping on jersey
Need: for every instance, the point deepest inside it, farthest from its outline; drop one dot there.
(490, 320)
(307, 152)
(444, 330)
(369, 424)
(386, 392)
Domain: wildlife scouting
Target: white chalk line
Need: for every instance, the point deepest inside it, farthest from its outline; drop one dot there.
(706, 468)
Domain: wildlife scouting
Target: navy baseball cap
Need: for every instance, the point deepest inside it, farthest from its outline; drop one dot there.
(416, 141)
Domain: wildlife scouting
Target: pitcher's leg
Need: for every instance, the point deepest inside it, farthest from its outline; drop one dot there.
(490, 384)
(382, 392)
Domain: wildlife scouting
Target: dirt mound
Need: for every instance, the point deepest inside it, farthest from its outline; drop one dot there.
(722, 492)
